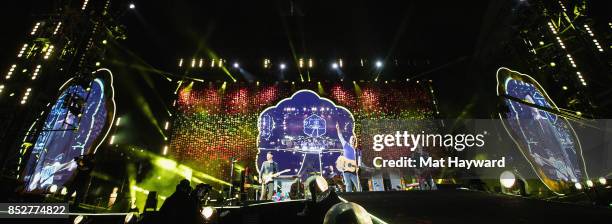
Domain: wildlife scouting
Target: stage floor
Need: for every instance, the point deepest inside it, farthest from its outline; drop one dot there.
(423, 207)
(464, 206)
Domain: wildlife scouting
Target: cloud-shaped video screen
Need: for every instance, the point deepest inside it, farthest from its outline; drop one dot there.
(305, 134)
(546, 140)
(66, 135)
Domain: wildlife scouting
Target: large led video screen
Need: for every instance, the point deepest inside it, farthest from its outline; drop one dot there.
(73, 127)
(547, 140)
(216, 121)
(305, 133)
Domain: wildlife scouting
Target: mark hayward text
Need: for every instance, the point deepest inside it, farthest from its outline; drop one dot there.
(404, 162)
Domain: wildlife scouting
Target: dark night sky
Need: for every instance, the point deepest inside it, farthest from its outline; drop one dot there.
(160, 32)
(320, 28)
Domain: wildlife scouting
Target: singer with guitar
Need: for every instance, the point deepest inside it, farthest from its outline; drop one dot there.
(347, 162)
(267, 173)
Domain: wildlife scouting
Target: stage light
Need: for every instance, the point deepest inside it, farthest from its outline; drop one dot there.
(53, 188)
(571, 60)
(165, 150)
(11, 70)
(22, 50)
(59, 25)
(507, 179)
(64, 191)
(589, 183)
(207, 212)
(589, 30)
(340, 62)
(132, 6)
(552, 28)
(129, 217)
(236, 65)
(49, 50)
(602, 181)
(97, 64)
(104, 42)
(581, 78)
(118, 121)
(301, 62)
(552, 64)
(560, 42)
(266, 63)
(564, 87)
(316, 184)
(36, 72)
(578, 113)
(578, 186)
(201, 63)
(379, 64)
(310, 63)
(181, 62)
(35, 28)
(335, 65)
(25, 96)
(282, 66)
(562, 6)
(84, 5)
(112, 140)
(78, 219)
(166, 125)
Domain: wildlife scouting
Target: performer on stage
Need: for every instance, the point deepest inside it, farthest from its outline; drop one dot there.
(347, 162)
(267, 171)
(80, 182)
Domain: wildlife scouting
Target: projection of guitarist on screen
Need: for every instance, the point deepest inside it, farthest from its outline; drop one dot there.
(347, 162)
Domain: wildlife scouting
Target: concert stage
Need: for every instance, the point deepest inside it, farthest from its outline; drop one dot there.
(465, 206)
(442, 206)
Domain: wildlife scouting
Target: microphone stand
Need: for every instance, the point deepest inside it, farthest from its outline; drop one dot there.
(231, 180)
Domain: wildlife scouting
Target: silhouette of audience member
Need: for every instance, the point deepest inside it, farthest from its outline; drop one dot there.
(195, 199)
(177, 208)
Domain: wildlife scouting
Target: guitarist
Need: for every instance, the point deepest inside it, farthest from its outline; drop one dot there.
(268, 168)
(347, 162)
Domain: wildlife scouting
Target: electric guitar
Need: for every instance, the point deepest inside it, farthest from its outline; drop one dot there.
(266, 178)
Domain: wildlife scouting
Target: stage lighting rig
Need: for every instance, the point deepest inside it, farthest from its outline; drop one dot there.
(602, 181)
(335, 65)
(507, 179)
(578, 186)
